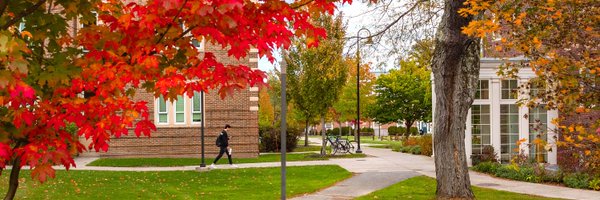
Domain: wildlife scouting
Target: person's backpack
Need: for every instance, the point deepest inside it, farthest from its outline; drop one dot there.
(219, 140)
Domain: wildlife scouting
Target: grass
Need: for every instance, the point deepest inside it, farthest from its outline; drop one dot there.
(254, 183)
(422, 187)
(302, 148)
(171, 162)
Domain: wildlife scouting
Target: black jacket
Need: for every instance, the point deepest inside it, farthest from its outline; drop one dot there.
(224, 139)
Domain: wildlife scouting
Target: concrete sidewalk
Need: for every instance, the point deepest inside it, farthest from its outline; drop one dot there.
(382, 169)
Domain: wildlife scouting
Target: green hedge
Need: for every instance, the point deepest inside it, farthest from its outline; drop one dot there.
(270, 139)
(538, 174)
(394, 130)
(336, 131)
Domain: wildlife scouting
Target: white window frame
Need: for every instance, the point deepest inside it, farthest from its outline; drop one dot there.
(516, 89)
(158, 113)
(175, 112)
(489, 128)
(509, 134)
(480, 89)
(200, 109)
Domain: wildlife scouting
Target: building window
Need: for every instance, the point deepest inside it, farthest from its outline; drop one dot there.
(180, 109)
(163, 111)
(536, 89)
(483, 90)
(509, 131)
(196, 110)
(538, 118)
(480, 127)
(509, 89)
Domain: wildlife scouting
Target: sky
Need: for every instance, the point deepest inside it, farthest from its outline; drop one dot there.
(355, 19)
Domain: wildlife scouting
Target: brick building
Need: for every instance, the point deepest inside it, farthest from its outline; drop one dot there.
(179, 123)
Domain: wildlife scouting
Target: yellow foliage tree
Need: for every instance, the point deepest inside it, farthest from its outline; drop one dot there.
(560, 39)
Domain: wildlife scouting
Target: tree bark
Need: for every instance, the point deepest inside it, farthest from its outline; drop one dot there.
(408, 125)
(306, 134)
(13, 183)
(455, 67)
(324, 145)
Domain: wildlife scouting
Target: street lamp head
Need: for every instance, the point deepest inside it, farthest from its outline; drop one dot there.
(369, 40)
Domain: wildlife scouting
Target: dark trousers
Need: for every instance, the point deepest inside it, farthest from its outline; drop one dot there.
(223, 150)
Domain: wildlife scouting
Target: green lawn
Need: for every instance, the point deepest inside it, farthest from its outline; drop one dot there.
(422, 187)
(255, 183)
(302, 148)
(170, 162)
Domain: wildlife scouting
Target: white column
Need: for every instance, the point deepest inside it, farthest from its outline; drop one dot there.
(552, 155)
(468, 138)
(524, 129)
(523, 122)
(495, 94)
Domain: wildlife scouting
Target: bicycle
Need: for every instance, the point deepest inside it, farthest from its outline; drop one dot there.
(339, 145)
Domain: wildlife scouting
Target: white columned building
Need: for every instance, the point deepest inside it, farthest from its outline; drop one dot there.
(495, 118)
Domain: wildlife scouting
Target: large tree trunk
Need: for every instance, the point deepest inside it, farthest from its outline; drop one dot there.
(324, 145)
(306, 134)
(13, 183)
(455, 68)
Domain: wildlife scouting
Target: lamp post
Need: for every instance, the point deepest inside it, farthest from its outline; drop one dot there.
(283, 127)
(203, 164)
(358, 150)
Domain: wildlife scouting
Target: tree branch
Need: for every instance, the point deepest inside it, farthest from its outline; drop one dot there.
(184, 32)
(391, 24)
(301, 4)
(171, 24)
(19, 16)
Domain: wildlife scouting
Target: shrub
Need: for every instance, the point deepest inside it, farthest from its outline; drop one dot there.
(577, 180)
(595, 183)
(426, 144)
(416, 150)
(336, 131)
(487, 155)
(487, 167)
(413, 131)
(509, 172)
(529, 174)
(270, 140)
(367, 130)
(405, 149)
(410, 141)
(394, 130)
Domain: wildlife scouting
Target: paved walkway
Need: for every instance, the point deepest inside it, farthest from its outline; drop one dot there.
(382, 169)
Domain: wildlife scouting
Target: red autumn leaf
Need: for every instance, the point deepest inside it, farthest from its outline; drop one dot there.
(42, 172)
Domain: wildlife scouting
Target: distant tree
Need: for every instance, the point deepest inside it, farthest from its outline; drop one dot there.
(346, 105)
(266, 112)
(316, 75)
(403, 95)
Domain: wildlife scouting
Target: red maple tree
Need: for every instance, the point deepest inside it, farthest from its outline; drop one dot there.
(52, 78)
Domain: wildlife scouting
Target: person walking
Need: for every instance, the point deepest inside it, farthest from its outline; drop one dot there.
(223, 144)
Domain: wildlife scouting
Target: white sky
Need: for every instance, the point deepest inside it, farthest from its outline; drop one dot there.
(354, 19)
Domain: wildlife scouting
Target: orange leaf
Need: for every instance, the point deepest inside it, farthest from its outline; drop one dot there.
(41, 172)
